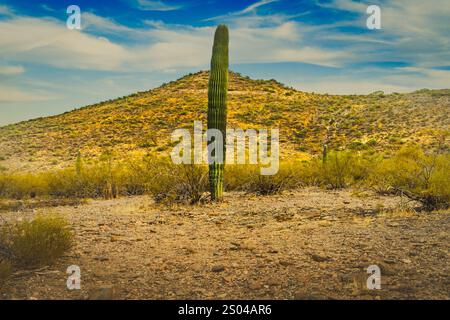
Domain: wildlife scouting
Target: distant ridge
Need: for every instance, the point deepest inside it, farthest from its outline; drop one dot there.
(142, 122)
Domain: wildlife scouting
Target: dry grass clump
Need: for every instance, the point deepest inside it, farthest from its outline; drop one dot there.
(35, 242)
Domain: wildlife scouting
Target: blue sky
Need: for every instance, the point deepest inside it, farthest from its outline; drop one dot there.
(126, 46)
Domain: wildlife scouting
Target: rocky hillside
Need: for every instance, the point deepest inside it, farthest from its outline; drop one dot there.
(143, 122)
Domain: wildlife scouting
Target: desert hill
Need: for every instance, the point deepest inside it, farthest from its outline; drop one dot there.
(142, 122)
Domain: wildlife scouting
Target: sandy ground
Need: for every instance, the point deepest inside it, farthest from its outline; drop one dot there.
(306, 244)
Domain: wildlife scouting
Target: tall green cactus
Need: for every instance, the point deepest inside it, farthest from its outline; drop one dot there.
(217, 105)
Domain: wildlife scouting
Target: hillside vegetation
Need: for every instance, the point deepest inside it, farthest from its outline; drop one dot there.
(142, 122)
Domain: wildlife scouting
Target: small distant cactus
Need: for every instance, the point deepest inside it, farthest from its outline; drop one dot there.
(78, 164)
(325, 153)
(217, 104)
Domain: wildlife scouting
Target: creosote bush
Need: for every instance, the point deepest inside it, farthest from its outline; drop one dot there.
(5, 270)
(419, 176)
(36, 242)
(180, 183)
(345, 168)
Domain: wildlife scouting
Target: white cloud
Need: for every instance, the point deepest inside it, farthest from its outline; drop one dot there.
(251, 8)
(91, 21)
(404, 79)
(47, 8)
(256, 5)
(6, 11)
(347, 85)
(345, 5)
(417, 77)
(48, 41)
(15, 94)
(155, 5)
(312, 56)
(159, 46)
(11, 70)
(418, 30)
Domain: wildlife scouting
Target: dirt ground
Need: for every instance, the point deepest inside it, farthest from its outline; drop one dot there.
(305, 244)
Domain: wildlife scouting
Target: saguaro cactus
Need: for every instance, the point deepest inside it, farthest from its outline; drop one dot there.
(217, 105)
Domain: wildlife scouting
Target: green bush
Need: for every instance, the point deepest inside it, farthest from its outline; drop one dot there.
(411, 172)
(177, 183)
(5, 270)
(284, 179)
(39, 241)
(337, 170)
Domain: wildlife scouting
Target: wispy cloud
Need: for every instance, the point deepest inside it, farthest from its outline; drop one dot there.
(48, 41)
(11, 70)
(6, 11)
(93, 22)
(156, 47)
(256, 5)
(346, 5)
(155, 5)
(249, 9)
(14, 94)
(47, 8)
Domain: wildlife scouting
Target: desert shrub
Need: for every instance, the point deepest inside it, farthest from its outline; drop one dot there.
(103, 178)
(345, 168)
(5, 270)
(337, 170)
(411, 172)
(288, 176)
(238, 177)
(291, 174)
(177, 183)
(309, 173)
(64, 183)
(265, 185)
(38, 241)
(19, 186)
(136, 176)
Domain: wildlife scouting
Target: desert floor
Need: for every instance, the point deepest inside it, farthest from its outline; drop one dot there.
(305, 244)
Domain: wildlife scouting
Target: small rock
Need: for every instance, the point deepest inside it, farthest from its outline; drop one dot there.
(273, 283)
(255, 286)
(235, 246)
(386, 269)
(320, 258)
(413, 253)
(301, 295)
(218, 268)
(285, 263)
(116, 238)
(390, 261)
(101, 258)
(407, 261)
(106, 293)
(393, 224)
